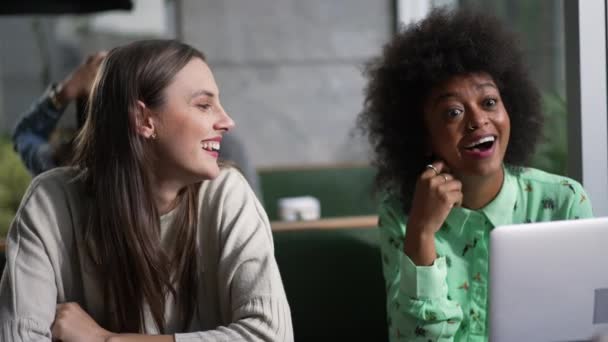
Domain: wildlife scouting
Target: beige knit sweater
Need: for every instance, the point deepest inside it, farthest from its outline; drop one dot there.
(240, 295)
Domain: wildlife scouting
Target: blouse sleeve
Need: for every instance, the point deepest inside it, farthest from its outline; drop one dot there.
(579, 205)
(418, 307)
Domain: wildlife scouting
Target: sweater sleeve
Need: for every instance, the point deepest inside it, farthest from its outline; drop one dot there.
(28, 290)
(418, 307)
(252, 295)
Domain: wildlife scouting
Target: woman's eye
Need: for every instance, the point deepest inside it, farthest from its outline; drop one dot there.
(490, 102)
(204, 106)
(452, 113)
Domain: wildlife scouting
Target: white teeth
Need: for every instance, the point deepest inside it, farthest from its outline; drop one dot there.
(481, 141)
(211, 145)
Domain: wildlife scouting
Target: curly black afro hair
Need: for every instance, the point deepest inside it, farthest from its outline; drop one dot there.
(420, 57)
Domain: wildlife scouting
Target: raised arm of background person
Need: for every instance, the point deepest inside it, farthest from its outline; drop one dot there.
(31, 133)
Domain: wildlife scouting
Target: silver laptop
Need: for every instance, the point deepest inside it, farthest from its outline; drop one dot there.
(549, 281)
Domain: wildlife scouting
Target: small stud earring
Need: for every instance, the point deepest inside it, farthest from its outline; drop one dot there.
(153, 136)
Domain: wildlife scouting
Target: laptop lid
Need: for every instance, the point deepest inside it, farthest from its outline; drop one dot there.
(549, 281)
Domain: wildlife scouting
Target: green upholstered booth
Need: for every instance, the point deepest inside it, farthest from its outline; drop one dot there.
(342, 190)
(334, 283)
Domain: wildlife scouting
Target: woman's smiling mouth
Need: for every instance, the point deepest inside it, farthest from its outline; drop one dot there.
(481, 148)
(212, 146)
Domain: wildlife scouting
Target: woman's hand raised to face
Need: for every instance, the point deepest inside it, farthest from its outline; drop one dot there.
(436, 193)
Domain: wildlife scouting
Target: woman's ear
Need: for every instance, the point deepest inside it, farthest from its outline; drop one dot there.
(144, 121)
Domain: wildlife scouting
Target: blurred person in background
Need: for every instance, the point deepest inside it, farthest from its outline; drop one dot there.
(31, 135)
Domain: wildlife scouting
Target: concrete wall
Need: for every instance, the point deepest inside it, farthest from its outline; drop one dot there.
(37, 50)
(289, 71)
(21, 64)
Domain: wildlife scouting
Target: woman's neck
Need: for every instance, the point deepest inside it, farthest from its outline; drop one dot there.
(478, 191)
(165, 194)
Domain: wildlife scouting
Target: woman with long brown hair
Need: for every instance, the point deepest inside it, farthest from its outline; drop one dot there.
(146, 234)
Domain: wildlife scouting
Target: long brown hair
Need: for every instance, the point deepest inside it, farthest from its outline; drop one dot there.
(122, 233)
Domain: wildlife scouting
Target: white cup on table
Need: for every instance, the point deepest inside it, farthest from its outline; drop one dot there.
(303, 208)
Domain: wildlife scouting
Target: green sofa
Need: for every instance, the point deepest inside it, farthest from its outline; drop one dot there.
(334, 284)
(342, 190)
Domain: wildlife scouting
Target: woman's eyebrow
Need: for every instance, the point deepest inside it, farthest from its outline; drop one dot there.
(445, 95)
(485, 85)
(202, 92)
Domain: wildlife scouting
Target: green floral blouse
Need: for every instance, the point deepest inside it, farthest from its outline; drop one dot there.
(448, 301)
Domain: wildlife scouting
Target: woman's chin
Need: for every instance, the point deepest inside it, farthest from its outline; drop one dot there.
(203, 173)
(210, 172)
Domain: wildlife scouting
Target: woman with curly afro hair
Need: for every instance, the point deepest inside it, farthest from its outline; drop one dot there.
(453, 118)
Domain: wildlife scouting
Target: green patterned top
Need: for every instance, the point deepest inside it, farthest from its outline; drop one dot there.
(448, 301)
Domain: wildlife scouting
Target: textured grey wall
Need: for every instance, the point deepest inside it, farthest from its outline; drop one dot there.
(21, 65)
(32, 55)
(290, 71)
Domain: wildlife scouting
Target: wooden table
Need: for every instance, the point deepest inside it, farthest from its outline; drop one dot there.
(328, 223)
